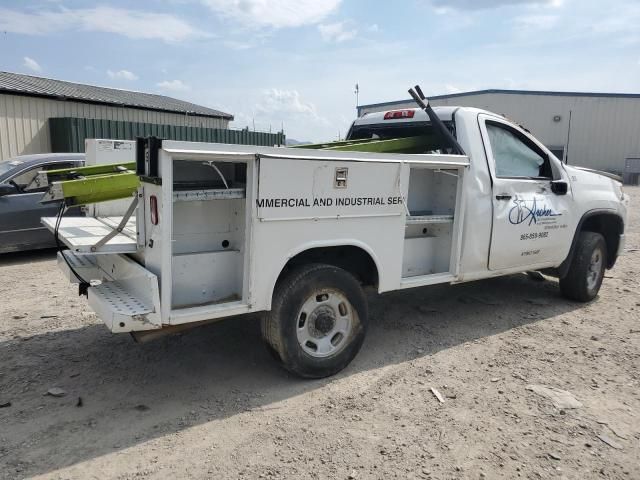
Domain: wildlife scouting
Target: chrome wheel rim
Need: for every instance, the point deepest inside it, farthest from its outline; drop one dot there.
(324, 323)
(595, 269)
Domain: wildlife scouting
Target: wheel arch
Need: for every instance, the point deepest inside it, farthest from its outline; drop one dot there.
(608, 223)
(355, 257)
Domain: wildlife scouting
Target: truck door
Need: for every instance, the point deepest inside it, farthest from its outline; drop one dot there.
(530, 221)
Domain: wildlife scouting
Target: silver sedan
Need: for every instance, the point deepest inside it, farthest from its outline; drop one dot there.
(20, 194)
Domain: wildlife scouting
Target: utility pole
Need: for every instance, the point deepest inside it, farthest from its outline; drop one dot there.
(357, 92)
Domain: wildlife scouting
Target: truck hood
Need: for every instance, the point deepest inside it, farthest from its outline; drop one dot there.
(595, 190)
(612, 176)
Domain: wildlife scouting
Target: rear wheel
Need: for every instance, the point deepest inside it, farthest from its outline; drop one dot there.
(318, 320)
(584, 278)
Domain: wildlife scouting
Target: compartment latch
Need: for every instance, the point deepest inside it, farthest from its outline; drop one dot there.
(341, 177)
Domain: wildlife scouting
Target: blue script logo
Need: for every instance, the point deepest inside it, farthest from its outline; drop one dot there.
(524, 210)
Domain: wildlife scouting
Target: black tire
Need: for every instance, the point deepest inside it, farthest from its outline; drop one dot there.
(582, 282)
(281, 326)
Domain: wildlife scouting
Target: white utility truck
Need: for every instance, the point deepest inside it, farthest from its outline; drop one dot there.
(413, 197)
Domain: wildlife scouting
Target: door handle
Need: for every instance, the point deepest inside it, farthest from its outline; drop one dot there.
(503, 196)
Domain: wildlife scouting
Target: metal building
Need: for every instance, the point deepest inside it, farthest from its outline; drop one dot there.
(27, 103)
(595, 130)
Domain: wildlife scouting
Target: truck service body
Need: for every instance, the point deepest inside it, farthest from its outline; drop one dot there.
(222, 230)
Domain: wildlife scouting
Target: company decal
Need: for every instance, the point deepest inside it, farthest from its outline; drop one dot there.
(533, 211)
(123, 145)
(327, 202)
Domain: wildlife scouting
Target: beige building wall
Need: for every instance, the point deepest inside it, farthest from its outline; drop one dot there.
(605, 130)
(24, 128)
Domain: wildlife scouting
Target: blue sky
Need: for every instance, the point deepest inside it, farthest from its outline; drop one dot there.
(295, 62)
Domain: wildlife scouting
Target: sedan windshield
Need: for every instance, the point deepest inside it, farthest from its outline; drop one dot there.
(8, 165)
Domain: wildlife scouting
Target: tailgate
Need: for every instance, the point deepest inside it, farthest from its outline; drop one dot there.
(83, 234)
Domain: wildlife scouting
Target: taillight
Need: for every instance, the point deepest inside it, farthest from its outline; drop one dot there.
(395, 114)
(153, 206)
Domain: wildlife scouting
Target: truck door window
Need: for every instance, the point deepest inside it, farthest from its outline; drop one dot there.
(514, 156)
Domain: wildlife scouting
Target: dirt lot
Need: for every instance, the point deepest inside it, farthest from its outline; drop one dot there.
(212, 404)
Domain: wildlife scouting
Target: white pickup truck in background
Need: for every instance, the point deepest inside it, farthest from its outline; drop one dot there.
(296, 233)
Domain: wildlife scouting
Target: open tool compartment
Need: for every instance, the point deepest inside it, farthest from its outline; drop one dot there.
(432, 203)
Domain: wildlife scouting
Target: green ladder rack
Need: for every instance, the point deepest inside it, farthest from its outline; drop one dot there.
(416, 144)
(92, 184)
(100, 183)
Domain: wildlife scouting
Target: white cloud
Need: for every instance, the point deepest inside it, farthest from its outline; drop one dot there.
(236, 45)
(625, 20)
(538, 22)
(122, 75)
(129, 23)
(618, 27)
(288, 105)
(444, 6)
(373, 28)
(443, 10)
(276, 107)
(274, 13)
(336, 32)
(173, 85)
(285, 101)
(452, 89)
(31, 64)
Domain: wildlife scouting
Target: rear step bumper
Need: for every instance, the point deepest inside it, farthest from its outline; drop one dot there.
(119, 309)
(123, 294)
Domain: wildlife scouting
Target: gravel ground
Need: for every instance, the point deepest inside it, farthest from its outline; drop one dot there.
(212, 404)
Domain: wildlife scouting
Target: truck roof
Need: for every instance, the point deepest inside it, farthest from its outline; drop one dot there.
(418, 115)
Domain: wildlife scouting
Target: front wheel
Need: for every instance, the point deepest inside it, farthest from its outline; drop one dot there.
(584, 278)
(318, 320)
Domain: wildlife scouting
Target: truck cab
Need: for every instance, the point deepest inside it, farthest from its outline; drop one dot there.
(524, 207)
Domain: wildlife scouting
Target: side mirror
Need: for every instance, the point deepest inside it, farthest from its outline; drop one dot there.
(7, 189)
(559, 187)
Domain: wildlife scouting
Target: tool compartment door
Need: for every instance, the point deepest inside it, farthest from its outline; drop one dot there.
(303, 204)
(315, 189)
